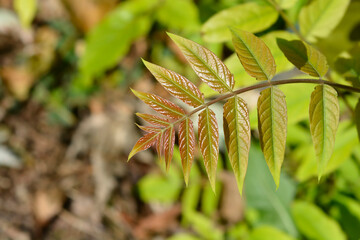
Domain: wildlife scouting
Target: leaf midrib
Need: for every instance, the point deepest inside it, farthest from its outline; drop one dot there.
(252, 54)
(189, 93)
(208, 67)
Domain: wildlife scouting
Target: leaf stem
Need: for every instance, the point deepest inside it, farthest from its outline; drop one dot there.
(268, 84)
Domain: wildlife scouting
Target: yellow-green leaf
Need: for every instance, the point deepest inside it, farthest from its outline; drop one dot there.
(320, 17)
(209, 143)
(305, 57)
(206, 64)
(176, 84)
(272, 117)
(186, 146)
(251, 16)
(26, 9)
(144, 143)
(314, 223)
(324, 120)
(237, 132)
(254, 55)
(160, 104)
(357, 117)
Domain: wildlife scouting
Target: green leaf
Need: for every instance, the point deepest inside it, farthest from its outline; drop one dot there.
(186, 146)
(254, 55)
(314, 223)
(144, 143)
(177, 85)
(286, 4)
(272, 128)
(273, 206)
(237, 129)
(206, 64)
(111, 39)
(349, 66)
(357, 117)
(26, 9)
(179, 14)
(304, 57)
(209, 143)
(268, 233)
(349, 215)
(160, 104)
(320, 17)
(324, 120)
(252, 16)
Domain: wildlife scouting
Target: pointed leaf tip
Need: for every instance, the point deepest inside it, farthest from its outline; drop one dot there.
(237, 137)
(254, 55)
(272, 116)
(206, 64)
(324, 114)
(209, 143)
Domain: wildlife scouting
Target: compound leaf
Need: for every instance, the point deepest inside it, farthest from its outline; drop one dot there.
(304, 57)
(251, 16)
(206, 64)
(155, 120)
(168, 145)
(272, 117)
(144, 143)
(160, 104)
(237, 129)
(320, 17)
(324, 119)
(176, 84)
(254, 55)
(186, 146)
(209, 143)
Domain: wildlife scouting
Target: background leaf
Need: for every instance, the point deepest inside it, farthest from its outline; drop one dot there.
(179, 14)
(237, 127)
(314, 223)
(320, 17)
(272, 206)
(209, 143)
(272, 127)
(26, 10)
(254, 55)
(161, 105)
(186, 146)
(324, 120)
(177, 85)
(111, 39)
(252, 16)
(268, 233)
(357, 117)
(304, 57)
(206, 64)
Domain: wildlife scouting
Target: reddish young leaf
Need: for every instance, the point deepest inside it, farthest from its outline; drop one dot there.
(186, 146)
(206, 64)
(209, 143)
(155, 120)
(177, 85)
(160, 104)
(149, 129)
(144, 143)
(168, 143)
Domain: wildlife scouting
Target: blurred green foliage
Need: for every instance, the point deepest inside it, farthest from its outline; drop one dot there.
(87, 63)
